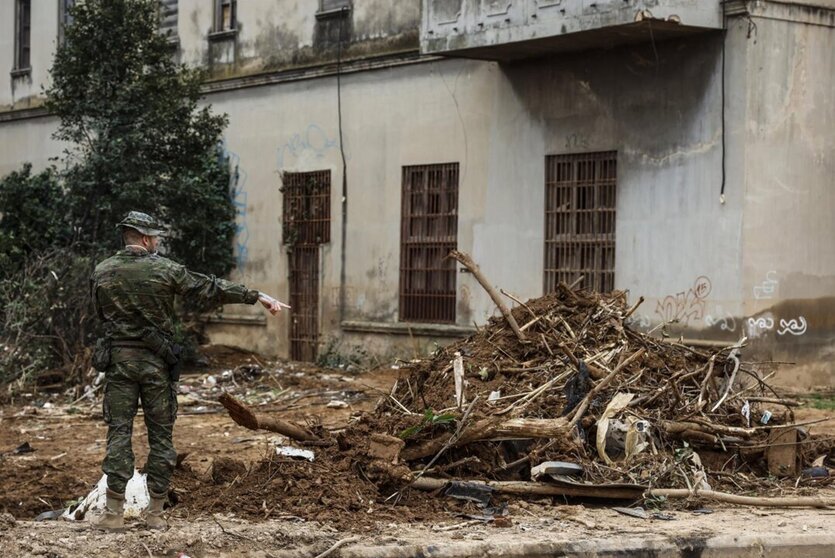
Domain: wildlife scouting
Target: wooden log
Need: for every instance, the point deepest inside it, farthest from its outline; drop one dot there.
(541, 489)
(244, 416)
(677, 427)
(630, 493)
(465, 260)
(786, 502)
(491, 428)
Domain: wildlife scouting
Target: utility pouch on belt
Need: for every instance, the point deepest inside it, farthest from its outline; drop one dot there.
(164, 348)
(101, 354)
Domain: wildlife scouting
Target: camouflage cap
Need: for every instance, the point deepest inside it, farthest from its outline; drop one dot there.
(142, 222)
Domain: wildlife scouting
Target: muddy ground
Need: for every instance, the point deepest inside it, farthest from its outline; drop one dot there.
(69, 440)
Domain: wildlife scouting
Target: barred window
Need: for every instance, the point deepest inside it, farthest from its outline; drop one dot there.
(226, 15)
(169, 11)
(429, 231)
(23, 34)
(307, 207)
(306, 225)
(580, 195)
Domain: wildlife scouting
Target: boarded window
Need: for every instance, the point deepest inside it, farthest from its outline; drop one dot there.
(226, 15)
(580, 195)
(168, 17)
(23, 34)
(429, 230)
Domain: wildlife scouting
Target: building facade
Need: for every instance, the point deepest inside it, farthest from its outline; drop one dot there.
(681, 150)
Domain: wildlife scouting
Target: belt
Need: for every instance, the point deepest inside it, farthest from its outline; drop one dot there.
(128, 343)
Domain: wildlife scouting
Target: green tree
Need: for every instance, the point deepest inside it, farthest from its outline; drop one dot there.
(137, 139)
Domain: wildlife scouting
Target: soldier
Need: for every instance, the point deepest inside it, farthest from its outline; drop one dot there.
(133, 294)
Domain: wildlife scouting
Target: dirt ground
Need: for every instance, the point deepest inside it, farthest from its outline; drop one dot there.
(69, 440)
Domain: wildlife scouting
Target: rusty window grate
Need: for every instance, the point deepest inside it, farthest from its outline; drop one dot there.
(429, 230)
(580, 195)
(304, 302)
(306, 225)
(307, 207)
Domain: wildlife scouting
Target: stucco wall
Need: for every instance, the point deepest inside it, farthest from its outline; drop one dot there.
(788, 259)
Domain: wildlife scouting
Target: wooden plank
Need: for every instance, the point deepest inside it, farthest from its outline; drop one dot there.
(782, 452)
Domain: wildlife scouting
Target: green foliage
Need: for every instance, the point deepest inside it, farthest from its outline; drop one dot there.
(28, 223)
(429, 420)
(136, 139)
(824, 401)
(333, 355)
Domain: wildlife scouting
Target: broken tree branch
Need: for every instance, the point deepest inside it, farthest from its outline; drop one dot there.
(786, 502)
(541, 489)
(465, 260)
(244, 416)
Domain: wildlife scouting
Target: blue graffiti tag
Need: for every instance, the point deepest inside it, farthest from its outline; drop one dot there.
(312, 140)
(237, 188)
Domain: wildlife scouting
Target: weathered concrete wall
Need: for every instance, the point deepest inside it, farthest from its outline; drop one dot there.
(788, 262)
(661, 115)
(501, 30)
(25, 91)
(275, 36)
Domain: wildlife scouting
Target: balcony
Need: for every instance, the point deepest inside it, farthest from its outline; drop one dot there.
(506, 30)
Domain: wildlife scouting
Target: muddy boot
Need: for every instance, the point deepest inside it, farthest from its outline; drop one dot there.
(153, 513)
(113, 517)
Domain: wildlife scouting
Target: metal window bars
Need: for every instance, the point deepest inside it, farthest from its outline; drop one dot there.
(306, 225)
(429, 231)
(580, 199)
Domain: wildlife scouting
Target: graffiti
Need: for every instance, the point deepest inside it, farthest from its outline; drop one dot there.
(237, 187)
(793, 326)
(758, 325)
(724, 319)
(767, 288)
(576, 141)
(312, 141)
(685, 306)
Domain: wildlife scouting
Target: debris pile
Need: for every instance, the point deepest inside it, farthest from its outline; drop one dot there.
(558, 397)
(573, 383)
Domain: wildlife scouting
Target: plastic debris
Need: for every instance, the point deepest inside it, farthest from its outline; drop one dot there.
(136, 498)
(470, 491)
(290, 451)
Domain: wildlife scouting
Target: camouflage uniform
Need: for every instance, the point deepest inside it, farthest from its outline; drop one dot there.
(131, 291)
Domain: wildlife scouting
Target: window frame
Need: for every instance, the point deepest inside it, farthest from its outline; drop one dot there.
(580, 220)
(217, 19)
(19, 69)
(428, 286)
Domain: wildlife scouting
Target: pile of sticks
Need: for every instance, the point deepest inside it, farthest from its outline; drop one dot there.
(561, 377)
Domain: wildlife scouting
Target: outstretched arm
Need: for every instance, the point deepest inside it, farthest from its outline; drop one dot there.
(272, 304)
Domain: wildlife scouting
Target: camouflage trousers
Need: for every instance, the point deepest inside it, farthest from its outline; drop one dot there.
(134, 375)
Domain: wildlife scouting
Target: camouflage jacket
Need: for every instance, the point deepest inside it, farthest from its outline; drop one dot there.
(133, 290)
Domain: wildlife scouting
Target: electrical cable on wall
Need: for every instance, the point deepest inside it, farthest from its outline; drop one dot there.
(342, 272)
(724, 172)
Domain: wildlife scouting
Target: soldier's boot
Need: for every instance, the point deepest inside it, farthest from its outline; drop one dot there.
(113, 518)
(153, 513)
